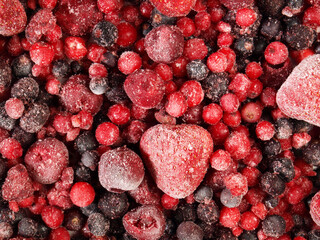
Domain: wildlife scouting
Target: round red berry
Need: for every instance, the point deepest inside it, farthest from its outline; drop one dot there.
(176, 104)
(42, 53)
(245, 17)
(75, 48)
(119, 114)
(276, 53)
(14, 108)
(82, 194)
(169, 202)
(129, 62)
(217, 62)
(52, 216)
(229, 217)
(107, 133)
(220, 160)
(10, 148)
(249, 221)
(212, 113)
(193, 92)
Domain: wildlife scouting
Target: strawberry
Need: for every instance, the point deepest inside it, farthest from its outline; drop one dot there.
(299, 95)
(13, 18)
(177, 156)
(174, 8)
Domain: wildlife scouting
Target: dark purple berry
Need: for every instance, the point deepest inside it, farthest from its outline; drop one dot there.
(26, 89)
(73, 220)
(85, 142)
(22, 66)
(203, 193)
(311, 153)
(197, 70)
(270, 28)
(27, 227)
(274, 226)
(208, 212)
(300, 37)
(272, 184)
(189, 231)
(104, 33)
(35, 117)
(113, 205)
(284, 167)
(215, 85)
(98, 224)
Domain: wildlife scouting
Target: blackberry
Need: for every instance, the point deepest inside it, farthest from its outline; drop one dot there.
(35, 117)
(271, 7)
(98, 85)
(284, 167)
(203, 193)
(189, 231)
(85, 142)
(215, 85)
(185, 212)
(21, 66)
(76, 67)
(109, 59)
(299, 37)
(314, 234)
(197, 70)
(157, 19)
(27, 227)
(61, 69)
(311, 153)
(26, 89)
(25, 138)
(274, 226)
(90, 159)
(6, 122)
(73, 220)
(272, 184)
(98, 224)
(5, 75)
(244, 46)
(208, 212)
(104, 33)
(270, 28)
(271, 147)
(246, 235)
(113, 205)
(6, 215)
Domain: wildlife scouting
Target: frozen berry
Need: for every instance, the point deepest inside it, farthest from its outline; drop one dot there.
(272, 184)
(26, 89)
(129, 62)
(27, 227)
(42, 53)
(144, 222)
(98, 225)
(52, 216)
(215, 86)
(189, 231)
(113, 205)
(164, 44)
(208, 212)
(21, 66)
(107, 133)
(46, 160)
(197, 70)
(274, 226)
(238, 145)
(34, 118)
(276, 53)
(145, 88)
(82, 194)
(120, 170)
(174, 8)
(127, 34)
(105, 33)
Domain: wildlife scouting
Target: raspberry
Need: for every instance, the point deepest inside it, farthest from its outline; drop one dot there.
(10, 148)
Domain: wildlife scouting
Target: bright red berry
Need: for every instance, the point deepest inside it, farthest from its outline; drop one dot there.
(82, 194)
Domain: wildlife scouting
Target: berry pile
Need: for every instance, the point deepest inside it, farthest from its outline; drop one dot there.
(159, 119)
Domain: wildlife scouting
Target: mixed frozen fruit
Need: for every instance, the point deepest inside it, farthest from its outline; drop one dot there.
(159, 119)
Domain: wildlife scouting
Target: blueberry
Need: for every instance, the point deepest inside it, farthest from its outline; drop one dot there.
(22, 66)
(76, 67)
(98, 85)
(271, 202)
(189, 231)
(208, 212)
(311, 153)
(113, 205)
(105, 33)
(284, 167)
(89, 210)
(203, 193)
(272, 184)
(185, 212)
(90, 159)
(27, 227)
(314, 234)
(98, 224)
(246, 235)
(228, 200)
(302, 126)
(274, 226)
(85, 142)
(82, 173)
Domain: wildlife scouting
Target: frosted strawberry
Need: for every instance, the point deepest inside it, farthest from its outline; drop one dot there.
(174, 8)
(299, 95)
(13, 18)
(177, 156)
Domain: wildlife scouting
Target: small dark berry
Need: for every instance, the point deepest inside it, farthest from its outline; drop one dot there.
(225, 234)
(311, 153)
(82, 173)
(271, 148)
(23, 137)
(270, 28)
(109, 59)
(6, 122)
(284, 167)
(314, 235)
(244, 46)
(185, 212)
(85, 142)
(203, 193)
(302, 126)
(6, 230)
(271, 202)
(113, 205)
(73, 220)
(189, 231)
(90, 159)
(76, 67)
(27, 227)
(91, 209)
(299, 37)
(105, 33)
(157, 19)
(208, 212)
(21, 66)
(98, 224)
(273, 226)
(271, 7)
(5, 75)
(215, 86)
(272, 184)
(61, 69)
(197, 70)
(246, 235)
(35, 117)
(26, 89)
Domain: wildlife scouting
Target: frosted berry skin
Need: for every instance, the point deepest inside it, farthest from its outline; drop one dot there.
(164, 44)
(120, 169)
(314, 208)
(76, 96)
(145, 222)
(174, 8)
(303, 105)
(46, 159)
(18, 184)
(177, 166)
(145, 88)
(13, 17)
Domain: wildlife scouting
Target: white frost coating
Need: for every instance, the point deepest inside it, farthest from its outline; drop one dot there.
(299, 95)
